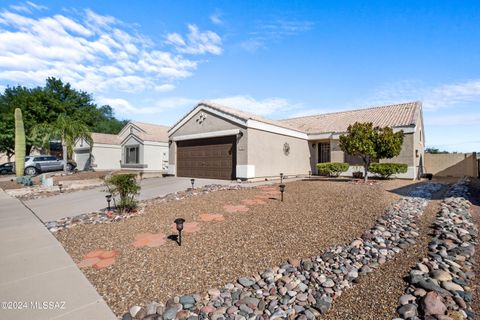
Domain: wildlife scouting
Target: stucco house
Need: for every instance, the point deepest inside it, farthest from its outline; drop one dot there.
(138, 146)
(215, 141)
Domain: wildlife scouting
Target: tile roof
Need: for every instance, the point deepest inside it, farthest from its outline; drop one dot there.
(152, 132)
(105, 138)
(396, 115)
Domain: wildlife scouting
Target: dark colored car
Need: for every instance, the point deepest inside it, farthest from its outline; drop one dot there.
(6, 168)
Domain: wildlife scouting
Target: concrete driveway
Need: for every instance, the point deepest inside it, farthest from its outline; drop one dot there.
(75, 203)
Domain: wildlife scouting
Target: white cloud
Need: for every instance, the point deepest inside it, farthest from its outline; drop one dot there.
(164, 87)
(196, 42)
(433, 97)
(216, 18)
(94, 52)
(264, 107)
(124, 106)
(459, 119)
(272, 31)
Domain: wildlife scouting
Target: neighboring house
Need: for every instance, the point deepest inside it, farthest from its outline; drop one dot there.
(214, 141)
(138, 146)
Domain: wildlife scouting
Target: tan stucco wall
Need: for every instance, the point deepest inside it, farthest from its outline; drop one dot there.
(265, 151)
(407, 153)
(210, 124)
(155, 155)
(451, 164)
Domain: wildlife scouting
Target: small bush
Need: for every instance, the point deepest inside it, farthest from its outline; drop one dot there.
(386, 170)
(331, 169)
(126, 187)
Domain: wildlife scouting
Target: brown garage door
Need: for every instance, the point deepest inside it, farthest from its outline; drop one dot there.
(212, 158)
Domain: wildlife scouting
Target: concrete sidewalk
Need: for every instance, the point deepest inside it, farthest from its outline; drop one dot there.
(37, 275)
(75, 203)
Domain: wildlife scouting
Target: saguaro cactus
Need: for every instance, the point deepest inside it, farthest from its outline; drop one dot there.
(19, 143)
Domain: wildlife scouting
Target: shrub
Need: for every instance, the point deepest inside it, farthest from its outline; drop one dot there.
(126, 187)
(386, 170)
(331, 169)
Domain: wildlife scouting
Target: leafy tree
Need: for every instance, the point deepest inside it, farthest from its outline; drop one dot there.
(43, 105)
(67, 130)
(371, 143)
(434, 151)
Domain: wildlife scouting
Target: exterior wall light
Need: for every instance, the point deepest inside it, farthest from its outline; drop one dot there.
(282, 189)
(179, 224)
(109, 198)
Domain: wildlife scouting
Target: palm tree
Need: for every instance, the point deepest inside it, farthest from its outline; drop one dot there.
(67, 130)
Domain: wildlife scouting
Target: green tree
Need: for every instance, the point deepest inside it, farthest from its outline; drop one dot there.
(371, 143)
(43, 105)
(434, 150)
(65, 129)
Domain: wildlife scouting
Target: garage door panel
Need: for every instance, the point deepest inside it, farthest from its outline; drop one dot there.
(207, 158)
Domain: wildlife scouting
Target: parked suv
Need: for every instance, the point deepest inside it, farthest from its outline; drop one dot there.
(43, 163)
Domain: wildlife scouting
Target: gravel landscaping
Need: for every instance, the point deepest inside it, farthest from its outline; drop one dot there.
(314, 216)
(439, 286)
(376, 295)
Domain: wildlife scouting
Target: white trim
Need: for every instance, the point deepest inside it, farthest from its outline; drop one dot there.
(320, 136)
(336, 135)
(155, 143)
(245, 171)
(221, 133)
(211, 110)
(172, 169)
(254, 124)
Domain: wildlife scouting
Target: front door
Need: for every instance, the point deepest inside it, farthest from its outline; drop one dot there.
(324, 152)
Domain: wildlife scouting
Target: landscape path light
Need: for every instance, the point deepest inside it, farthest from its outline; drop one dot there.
(60, 186)
(179, 224)
(282, 189)
(281, 177)
(192, 181)
(109, 198)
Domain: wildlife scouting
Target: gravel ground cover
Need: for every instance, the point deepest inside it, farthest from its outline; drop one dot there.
(314, 216)
(376, 295)
(439, 287)
(475, 209)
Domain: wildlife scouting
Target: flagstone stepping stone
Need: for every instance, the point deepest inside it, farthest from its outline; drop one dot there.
(88, 262)
(189, 227)
(207, 217)
(150, 240)
(238, 208)
(98, 259)
(252, 202)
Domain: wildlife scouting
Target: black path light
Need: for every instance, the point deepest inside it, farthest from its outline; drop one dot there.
(109, 198)
(281, 177)
(282, 189)
(179, 223)
(192, 181)
(60, 186)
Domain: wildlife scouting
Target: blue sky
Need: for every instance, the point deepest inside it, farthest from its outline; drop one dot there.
(153, 60)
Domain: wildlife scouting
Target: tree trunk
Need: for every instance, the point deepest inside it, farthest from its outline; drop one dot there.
(365, 172)
(64, 153)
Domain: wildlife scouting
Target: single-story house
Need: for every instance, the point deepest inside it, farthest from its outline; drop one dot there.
(138, 146)
(215, 141)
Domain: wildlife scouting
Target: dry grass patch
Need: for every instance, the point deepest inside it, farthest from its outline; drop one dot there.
(314, 216)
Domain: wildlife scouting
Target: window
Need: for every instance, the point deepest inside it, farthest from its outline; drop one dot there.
(50, 158)
(131, 154)
(324, 152)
